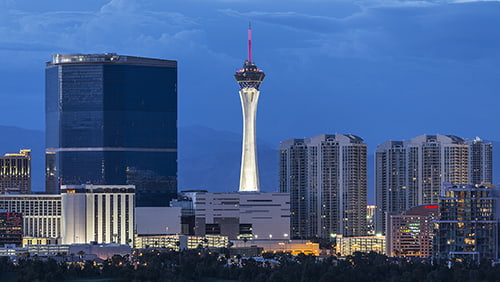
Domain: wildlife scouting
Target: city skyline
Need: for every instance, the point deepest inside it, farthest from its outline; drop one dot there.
(368, 86)
(363, 61)
(394, 98)
(412, 173)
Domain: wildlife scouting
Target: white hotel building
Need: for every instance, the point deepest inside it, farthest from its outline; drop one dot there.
(97, 213)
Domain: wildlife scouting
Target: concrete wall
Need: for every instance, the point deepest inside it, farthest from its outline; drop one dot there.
(158, 220)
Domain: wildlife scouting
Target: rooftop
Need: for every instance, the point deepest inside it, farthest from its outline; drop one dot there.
(108, 58)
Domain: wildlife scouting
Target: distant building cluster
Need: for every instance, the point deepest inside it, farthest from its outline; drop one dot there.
(412, 173)
(418, 184)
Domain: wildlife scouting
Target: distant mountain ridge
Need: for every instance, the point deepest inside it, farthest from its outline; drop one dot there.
(208, 159)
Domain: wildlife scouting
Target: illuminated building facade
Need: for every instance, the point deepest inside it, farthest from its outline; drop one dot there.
(370, 219)
(112, 120)
(41, 213)
(98, 213)
(468, 223)
(242, 215)
(27, 241)
(346, 246)
(178, 242)
(11, 228)
(411, 173)
(249, 79)
(326, 178)
(15, 172)
(411, 234)
(293, 247)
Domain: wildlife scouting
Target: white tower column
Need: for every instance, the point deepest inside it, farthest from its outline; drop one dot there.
(249, 175)
(249, 78)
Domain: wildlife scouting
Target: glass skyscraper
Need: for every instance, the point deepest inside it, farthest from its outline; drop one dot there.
(112, 120)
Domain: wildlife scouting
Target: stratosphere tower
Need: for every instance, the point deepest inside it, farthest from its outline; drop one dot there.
(249, 78)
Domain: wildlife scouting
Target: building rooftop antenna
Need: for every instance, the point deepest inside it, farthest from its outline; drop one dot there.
(249, 41)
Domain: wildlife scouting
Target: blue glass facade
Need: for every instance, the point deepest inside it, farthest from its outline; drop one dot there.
(112, 119)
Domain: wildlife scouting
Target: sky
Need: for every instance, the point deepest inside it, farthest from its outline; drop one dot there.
(379, 69)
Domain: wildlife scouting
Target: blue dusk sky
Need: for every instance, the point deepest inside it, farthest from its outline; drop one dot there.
(380, 69)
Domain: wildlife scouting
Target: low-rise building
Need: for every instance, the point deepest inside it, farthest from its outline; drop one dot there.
(294, 247)
(242, 215)
(11, 228)
(158, 220)
(411, 233)
(346, 246)
(178, 242)
(40, 241)
(41, 213)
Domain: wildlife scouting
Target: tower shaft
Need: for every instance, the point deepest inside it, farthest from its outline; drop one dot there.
(249, 175)
(249, 78)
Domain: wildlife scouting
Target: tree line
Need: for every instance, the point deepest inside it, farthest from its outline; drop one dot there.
(204, 265)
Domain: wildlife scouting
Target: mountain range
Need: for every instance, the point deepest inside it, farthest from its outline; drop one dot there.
(208, 159)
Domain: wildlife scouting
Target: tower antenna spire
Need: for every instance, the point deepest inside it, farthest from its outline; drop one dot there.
(249, 41)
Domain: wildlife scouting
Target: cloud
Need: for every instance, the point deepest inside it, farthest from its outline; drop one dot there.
(398, 3)
(120, 6)
(119, 25)
(392, 29)
(287, 19)
(471, 1)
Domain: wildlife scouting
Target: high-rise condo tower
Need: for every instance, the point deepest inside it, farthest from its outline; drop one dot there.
(249, 78)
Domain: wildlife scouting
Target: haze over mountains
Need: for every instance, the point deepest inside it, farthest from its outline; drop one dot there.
(208, 159)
